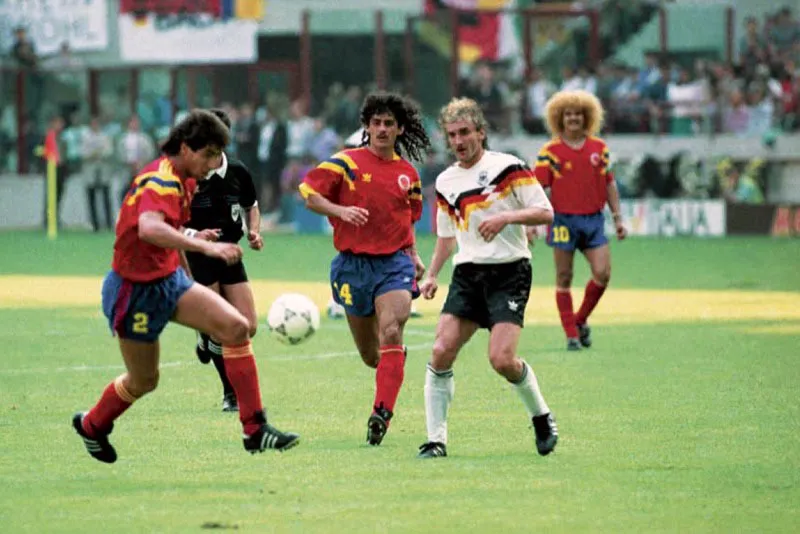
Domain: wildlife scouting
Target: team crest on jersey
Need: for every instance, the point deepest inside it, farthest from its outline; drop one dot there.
(483, 178)
(594, 159)
(236, 212)
(404, 182)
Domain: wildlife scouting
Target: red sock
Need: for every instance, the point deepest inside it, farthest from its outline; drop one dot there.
(113, 403)
(389, 377)
(240, 366)
(564, 303)
(590, 299)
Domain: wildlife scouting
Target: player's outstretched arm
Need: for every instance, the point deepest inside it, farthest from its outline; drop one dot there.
(154, 230)
(441, 252)
(350, 214)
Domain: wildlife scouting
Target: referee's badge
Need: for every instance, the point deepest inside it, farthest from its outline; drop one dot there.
(404, 182)
(594, 159)
(483, 178)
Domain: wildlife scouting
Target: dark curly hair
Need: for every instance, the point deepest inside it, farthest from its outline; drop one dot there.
(222, 115)
(199, 129)
(413, 143)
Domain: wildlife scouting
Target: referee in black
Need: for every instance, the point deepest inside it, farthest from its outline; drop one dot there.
(225, 209)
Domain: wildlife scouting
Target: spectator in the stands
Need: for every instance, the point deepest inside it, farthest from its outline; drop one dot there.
(538, 92)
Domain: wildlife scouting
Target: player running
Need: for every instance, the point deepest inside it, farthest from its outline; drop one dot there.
(575, 166)
(147, 287)
(484, 202)
(372, 197)
(224, 209)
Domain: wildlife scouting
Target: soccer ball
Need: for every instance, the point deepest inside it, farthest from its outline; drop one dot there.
(293, 318)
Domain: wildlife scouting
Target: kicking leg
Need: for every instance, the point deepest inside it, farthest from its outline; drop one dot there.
(202, 309)
(241, 296)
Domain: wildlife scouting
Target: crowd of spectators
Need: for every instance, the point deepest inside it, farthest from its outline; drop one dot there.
(755, 96)
(279, 139)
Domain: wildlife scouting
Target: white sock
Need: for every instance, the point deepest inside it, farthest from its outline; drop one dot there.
(214, 347)
(528, 390)
(439, 389)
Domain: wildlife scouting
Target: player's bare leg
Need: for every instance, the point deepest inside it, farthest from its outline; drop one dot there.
(141, 377)
(503, 342)
(392, 310)
(204, 348)
(452, 333)
(241, 296)
(202, 309)
(599, 259)
(365, 335)
(564, 261)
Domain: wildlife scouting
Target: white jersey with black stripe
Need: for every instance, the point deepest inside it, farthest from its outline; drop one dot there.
(497, 183)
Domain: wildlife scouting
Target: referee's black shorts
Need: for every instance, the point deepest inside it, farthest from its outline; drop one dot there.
(207, 270)
(488, 294)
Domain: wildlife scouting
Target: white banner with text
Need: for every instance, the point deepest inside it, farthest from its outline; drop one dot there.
(672, 218)
(83, 24)
(186, 38)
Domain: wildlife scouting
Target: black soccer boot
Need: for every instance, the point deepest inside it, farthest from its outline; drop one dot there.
(98, 447)
(269, 437)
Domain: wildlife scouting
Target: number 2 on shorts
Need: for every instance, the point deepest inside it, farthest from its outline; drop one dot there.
(344, 293)
(560, 234)
(140, 321)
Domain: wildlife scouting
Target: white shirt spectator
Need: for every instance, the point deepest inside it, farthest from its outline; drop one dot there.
(538, 94)
(135, 149)
(688, 99)
(265, 140)
(299, 131)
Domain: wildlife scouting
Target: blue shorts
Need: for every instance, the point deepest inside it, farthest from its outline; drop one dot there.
(582, 232)
(358, 279)
(140, 311)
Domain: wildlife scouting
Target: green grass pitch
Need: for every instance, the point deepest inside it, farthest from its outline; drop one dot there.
(684, 417)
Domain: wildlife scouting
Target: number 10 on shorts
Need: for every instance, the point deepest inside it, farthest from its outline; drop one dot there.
(560, 234)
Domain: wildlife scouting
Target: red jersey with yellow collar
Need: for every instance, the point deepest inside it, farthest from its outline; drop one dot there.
(157, 188)
(389, 189)
(577, 178)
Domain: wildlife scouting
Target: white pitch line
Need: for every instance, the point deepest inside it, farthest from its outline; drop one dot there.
(185, 363)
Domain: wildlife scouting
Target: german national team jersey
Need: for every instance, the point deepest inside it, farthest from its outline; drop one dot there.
(497, 183)
(221, 200)
(157, 188)
(389, 189)
(577, 178)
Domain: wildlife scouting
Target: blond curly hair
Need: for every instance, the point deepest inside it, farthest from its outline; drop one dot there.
(464, 109)
(593, 112)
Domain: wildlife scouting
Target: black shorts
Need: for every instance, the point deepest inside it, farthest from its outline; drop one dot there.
(207, 271)
(488, 294)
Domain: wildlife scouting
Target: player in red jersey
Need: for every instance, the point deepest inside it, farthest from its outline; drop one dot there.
(373, 197)
(147, 288)
(575, 166)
